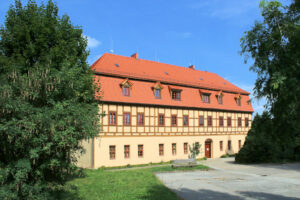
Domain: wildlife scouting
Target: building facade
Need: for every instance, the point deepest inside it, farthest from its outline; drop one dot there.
(155, 111)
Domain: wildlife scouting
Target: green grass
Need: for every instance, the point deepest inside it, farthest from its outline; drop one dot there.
(123, 184)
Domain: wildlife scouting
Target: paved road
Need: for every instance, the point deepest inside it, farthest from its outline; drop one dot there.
(233, 181)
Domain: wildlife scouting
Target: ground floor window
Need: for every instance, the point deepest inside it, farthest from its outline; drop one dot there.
(185, 148)
(221, 145)
(229, 145)
(161, 149)
(112, 152)
(126, 151)
(140, 150)
(240, 144)
(173, 148)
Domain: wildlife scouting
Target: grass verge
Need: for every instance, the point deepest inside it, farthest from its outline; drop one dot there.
(122, 185)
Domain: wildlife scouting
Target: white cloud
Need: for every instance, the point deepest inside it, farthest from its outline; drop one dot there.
(93, 42)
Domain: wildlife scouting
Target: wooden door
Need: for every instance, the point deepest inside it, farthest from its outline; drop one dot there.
(208, 149)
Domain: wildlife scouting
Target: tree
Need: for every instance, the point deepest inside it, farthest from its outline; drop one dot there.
(47, 101)
(194, 150)
(274, 46)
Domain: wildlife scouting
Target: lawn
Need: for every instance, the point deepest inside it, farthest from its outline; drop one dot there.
(123, 184)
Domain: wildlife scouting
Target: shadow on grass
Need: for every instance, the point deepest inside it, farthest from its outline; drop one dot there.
(69, 193)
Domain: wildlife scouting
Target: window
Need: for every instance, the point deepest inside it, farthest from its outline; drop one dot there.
(126, 91)
(221, 121)
(228, 121)
(220, 99)
(185, 120)
(173, 148)
(246, 122)
(112, 118)
(185, 148)
(238, 101)
(239, 122)
(229, 145)
(240, 144)
(126, 151)
(221, 145)
(157, 93)
(201, 121)
(205, 98)
(209, 121)
(140, 119)
(161, 119)
(140, 151)
(174, 120)
(112, 152)
(127, 119)
(161, 149)
(176, 95)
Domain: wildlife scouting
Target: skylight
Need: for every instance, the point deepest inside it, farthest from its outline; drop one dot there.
(117, 65)
(166, 73)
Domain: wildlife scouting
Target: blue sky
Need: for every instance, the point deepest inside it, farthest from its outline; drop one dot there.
(205, 33)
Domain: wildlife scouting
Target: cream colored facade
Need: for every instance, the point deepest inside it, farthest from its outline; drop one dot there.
(150, 135)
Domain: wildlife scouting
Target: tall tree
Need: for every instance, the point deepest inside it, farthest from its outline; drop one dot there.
(47, 101)
(274, 46)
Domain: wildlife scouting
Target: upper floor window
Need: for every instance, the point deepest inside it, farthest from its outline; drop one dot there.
(127, 119)
(112, 118)
(228, 121)
(209, 121)
(246, 122)
(221, 121)
(157, 93)
(126, 91)
(174, 120)
(205, 98)
(185, 120)
(239, 122)
(140, 119)
(201, 120)
(161, 119)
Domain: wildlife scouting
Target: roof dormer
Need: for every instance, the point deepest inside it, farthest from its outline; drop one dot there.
(126, 87)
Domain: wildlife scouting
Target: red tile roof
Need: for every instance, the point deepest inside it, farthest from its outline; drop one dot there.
(143, 74)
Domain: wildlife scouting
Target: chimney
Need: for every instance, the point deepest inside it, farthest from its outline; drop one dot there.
(136, 56)
(192, 67)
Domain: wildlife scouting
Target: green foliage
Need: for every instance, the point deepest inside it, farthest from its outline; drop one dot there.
(194, 149)
(274, 46)
(47, 103)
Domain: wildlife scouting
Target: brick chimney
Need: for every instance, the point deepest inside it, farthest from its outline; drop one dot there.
(136, 56)
(192, 67)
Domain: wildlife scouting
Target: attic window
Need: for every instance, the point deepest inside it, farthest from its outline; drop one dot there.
(157, 93)
(220, 97)
(126, 87)
(205, 97)
(238, 100)
(117, 65)
(126, 91)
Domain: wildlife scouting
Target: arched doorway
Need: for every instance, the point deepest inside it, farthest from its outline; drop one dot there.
(208, 148)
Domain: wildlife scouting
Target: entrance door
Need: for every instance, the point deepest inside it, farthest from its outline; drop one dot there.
(208, 149)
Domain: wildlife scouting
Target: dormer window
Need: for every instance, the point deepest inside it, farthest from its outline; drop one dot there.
(220, 97)
(157, 90)
(157, 93)
(238, 100)
(205, 98)
(126, 87)
(126, 91)
(176, 95)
